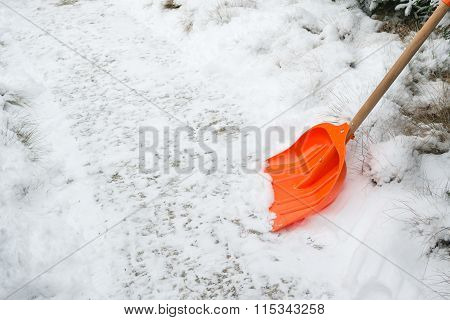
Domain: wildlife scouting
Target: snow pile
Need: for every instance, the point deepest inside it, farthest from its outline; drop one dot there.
(41, 215)
(426, 217)
(391, 159)
(21, 177)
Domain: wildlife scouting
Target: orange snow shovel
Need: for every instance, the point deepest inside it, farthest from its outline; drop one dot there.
(309, 175)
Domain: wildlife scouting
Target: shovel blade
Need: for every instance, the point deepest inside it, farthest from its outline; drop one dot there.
(308, 176)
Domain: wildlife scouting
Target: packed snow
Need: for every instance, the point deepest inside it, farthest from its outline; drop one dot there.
(82, 81)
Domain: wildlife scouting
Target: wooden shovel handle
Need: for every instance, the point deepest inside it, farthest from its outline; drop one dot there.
(398, 67)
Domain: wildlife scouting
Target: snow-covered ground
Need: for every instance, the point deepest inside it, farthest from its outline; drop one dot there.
(85, 75)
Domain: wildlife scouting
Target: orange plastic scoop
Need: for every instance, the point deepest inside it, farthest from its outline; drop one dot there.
(308, 176)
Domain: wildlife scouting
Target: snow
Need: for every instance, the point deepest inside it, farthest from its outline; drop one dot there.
(392, 159)
(46, 207)
(222, 66)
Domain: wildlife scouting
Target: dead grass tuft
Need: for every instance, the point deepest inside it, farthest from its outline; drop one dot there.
(27, 135)
(428, 222)
(187, 23)
(429, 121)
(171, 5)
(18, 126)
(398, 27)
(11, 99)
(227, 9)
(66, 3)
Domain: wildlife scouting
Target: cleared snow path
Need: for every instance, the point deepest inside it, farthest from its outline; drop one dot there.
(203, 235)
